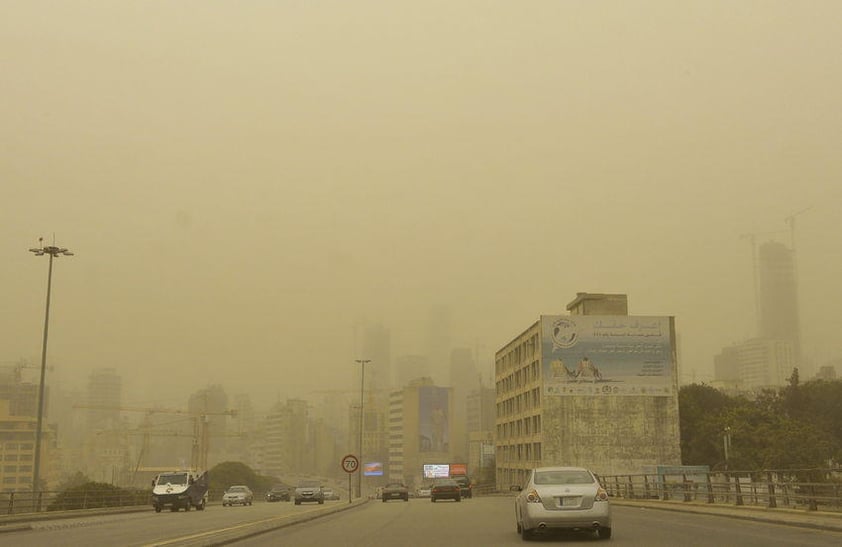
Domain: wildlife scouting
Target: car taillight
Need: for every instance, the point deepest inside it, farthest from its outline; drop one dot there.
(601, 494)
(533, 497)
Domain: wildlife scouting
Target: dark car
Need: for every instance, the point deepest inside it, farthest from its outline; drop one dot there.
(309, 491)
(445, 489)
(465, 484)
(395, 491)
(278, 493)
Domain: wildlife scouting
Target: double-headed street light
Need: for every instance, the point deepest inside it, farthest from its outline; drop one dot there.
(362, 362)
(53, 251)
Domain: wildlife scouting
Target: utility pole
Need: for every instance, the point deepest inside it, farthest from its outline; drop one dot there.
(362, 363)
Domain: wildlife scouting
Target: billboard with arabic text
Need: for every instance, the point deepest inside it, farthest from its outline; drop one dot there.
(605, 355)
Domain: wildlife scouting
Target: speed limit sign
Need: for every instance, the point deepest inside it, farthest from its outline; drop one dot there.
(350, 463)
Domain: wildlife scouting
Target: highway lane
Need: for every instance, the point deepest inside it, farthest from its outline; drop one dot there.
(490, 521)
(478, 521)
(165, 528)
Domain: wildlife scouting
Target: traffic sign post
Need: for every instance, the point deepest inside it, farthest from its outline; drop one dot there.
(351, 465)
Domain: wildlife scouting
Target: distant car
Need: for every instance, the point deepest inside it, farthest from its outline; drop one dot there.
(330, 494)
(238, 495)
(424, 491)
(465, 484)
(445, 489)
(562, 498)
(278, 493)
(395, 491)
(309, 491)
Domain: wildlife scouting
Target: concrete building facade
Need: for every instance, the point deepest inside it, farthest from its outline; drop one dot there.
(615, 411)
(756, 363)
(778, 296)
(419, 430)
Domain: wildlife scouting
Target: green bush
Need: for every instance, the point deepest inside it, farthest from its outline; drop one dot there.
(93, 495)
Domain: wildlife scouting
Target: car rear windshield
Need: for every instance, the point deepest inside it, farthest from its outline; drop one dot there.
(563, 477)
(176, 478)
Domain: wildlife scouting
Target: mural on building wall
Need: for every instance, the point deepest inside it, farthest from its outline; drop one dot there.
(607, 355)
(433, 419)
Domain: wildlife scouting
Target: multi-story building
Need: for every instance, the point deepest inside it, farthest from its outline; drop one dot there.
(481, 407)
(105, 395)
(597, 388)
(464, 379)
(17, 451)
(377, 349)
(778, 296)
(374, 452)
(753, 364)
(419, 429)
(286, 440)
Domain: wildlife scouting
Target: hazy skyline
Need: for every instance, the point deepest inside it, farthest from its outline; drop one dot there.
(244, 182)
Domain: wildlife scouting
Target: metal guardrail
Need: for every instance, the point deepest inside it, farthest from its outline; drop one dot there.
(16, 503)
(773, 489)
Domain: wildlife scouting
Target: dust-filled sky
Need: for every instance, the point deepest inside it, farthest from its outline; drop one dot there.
(245, 183)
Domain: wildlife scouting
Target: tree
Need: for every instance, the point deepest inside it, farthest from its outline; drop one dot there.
(797, 426)
(227, 474)
(701, 420)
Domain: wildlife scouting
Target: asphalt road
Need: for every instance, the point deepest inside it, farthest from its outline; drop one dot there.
(489, 521)
(482, 521)
(147, 528)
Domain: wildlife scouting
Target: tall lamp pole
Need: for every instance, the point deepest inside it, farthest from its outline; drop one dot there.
(53, 252)
(362, 363)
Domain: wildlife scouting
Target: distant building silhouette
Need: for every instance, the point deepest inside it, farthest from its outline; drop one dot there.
(778, 296)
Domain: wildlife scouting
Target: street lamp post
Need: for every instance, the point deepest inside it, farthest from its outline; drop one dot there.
(53, 252)
(362, 363)
(726, 441)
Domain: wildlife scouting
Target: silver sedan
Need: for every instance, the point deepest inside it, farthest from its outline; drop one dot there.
(562, 498)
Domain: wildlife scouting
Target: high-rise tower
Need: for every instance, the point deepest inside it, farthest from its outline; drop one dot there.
(778, 296)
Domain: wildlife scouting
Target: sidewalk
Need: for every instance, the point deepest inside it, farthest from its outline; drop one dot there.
(820, 520)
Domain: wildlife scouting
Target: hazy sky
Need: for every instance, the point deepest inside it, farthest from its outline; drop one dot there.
(244, 181)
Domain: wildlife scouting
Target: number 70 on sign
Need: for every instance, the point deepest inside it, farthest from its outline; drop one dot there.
(350, 463)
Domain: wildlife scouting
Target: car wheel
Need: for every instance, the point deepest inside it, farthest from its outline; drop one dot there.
(187, 506)
(297, 502)
(604, 533)
(321, 502)
(433, 500)
(201, 506)
(384, 499)
(525, 534)
(459, 498)
(157, 508)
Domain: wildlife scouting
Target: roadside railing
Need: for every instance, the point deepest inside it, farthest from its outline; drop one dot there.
(810, 490)
(15, 503)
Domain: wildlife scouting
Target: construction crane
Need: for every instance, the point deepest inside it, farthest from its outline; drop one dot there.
(201, 434)
(146, 430)
(791, 221)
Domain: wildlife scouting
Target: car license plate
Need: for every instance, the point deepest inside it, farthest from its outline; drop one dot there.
(570, 501)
